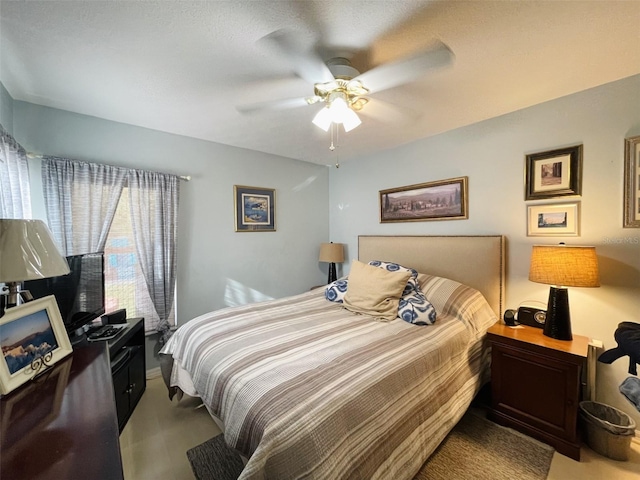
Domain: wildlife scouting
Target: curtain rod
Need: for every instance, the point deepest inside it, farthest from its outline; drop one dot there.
(186, 178)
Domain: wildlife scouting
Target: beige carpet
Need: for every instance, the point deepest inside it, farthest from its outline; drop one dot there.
(476, 449)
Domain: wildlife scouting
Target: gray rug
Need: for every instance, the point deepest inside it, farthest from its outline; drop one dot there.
(214, 460)
(476, 449)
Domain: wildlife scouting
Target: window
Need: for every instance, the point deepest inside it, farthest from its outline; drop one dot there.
(131, 216)
(125, 285)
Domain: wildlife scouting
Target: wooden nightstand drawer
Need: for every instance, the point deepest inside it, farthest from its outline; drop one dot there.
(536, 384)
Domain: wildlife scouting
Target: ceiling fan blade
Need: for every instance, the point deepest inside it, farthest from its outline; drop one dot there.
(389, 113)
(283, 104)
(306, 62)
(406, 70)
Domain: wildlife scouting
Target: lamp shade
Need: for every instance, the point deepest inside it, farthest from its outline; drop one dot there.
(563, 265)
(331, 252)
(323, 119)
(350, 120)
(28, 252)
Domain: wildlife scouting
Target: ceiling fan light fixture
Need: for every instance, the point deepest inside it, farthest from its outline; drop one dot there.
(350, 120)
(338, 110)
(323, 119)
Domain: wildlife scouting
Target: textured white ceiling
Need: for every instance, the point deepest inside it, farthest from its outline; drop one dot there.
(183, 66)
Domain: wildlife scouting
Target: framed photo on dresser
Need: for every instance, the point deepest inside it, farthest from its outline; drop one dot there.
(33, 338)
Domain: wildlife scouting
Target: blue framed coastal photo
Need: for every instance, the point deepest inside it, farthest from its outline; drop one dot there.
(33, 338)
(255, 209)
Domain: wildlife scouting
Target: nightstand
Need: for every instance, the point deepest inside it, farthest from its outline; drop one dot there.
(536, 384)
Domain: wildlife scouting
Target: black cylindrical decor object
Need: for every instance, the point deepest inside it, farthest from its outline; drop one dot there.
(558, 322)
(333, 275)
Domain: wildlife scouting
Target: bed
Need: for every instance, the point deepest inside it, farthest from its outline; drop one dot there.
(304, 388)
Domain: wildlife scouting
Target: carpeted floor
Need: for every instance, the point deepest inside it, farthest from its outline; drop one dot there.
(476, 449)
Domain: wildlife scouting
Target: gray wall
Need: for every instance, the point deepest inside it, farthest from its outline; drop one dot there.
(217, 266)
(6, 109)
(492, 155)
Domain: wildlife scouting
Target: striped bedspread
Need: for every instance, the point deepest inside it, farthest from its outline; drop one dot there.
(307, 389)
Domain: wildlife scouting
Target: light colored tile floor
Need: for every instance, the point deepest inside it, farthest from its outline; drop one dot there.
(593, 466)
(158, 434)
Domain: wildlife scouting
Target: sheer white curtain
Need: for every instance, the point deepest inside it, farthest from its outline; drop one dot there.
(153, 201)
(15, 194)
(81, 200)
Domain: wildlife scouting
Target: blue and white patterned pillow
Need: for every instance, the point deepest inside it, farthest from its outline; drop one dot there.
(336, 291)
(413, 306)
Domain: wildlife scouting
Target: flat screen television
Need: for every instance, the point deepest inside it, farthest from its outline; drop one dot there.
(80, 293)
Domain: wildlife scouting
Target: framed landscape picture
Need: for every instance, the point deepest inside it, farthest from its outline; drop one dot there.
(553, 220)
(632, 182)
(555, 173)
(254, 209)
(440, 200)
(33, 338)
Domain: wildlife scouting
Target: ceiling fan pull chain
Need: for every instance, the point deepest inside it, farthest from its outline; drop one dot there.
(332, 147)
(334, 127)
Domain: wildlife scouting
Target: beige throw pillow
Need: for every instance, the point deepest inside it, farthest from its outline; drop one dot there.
(374, 291)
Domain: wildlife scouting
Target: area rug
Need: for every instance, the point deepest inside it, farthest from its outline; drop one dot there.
(476, 449)
(214, 460)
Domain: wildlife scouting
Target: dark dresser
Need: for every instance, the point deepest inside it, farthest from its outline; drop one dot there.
(63, 424)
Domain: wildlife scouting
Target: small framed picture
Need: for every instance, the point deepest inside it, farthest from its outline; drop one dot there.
(632, 182)
(33, 338)
(556, 173)
(439, 200)
(553, 220)
(255, 209)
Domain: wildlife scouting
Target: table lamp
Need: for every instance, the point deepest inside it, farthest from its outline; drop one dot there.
(27, 252)
(562, 266)
(332, 253)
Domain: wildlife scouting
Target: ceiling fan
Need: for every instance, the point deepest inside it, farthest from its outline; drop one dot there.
(340, 86)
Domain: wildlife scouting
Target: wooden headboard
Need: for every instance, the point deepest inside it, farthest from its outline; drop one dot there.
(475, 260)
